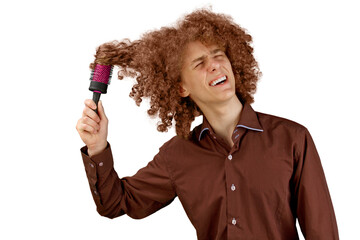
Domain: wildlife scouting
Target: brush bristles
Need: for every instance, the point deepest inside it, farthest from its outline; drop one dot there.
(102, 73)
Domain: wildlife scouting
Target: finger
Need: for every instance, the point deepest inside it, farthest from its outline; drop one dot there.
(88, 112)
(90, 103)
(91, 122)
(86, 128)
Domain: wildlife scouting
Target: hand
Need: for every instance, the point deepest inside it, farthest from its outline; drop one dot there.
(93, 128)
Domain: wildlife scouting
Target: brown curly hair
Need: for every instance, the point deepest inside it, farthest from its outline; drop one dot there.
(155, 62)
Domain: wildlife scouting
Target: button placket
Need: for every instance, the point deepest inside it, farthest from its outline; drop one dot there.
(231, 179)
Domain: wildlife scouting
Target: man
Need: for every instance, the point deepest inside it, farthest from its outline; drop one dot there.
(241, 174)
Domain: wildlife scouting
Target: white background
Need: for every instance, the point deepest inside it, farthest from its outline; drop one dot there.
(308, 53)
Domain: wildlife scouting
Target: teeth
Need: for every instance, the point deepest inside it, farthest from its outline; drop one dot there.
(217, 81)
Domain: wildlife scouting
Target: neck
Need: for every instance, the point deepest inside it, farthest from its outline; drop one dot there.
(223, 118)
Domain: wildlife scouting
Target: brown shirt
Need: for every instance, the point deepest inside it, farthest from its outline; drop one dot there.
(253, 190)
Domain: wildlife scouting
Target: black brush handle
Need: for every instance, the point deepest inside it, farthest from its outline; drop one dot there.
(96, 97)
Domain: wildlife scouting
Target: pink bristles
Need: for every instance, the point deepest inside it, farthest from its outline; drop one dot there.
(102, 73)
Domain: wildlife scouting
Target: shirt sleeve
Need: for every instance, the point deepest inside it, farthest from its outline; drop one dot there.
(149, 190)
(312, 201)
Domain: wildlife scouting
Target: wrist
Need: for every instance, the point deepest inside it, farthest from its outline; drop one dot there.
(96, 150)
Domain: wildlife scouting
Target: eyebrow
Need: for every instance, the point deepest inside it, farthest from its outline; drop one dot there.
(203, 56)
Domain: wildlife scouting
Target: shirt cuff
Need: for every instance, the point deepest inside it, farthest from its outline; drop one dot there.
(100, 162)
(97, 166)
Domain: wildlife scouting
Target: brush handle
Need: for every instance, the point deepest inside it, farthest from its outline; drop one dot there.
(96, 97)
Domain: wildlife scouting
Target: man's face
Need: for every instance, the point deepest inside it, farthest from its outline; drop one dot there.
(202, 65)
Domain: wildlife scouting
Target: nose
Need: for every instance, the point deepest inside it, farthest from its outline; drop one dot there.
(213, 65)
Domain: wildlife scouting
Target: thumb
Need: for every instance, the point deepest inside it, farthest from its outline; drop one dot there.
(101, 110)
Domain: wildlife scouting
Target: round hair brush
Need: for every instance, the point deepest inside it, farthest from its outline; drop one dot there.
(100, 79)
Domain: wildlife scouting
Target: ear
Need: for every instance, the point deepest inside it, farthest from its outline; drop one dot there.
(183, 92)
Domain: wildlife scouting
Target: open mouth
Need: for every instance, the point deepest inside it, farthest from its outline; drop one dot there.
(218, 82)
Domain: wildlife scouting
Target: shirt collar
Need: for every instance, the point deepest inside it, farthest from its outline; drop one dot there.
(248, 119)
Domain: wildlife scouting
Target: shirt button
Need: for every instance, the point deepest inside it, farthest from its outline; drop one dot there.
(233, 221)
(233, 187)
(230, 157)
(95, 192)
(101, 164)
(91, 165)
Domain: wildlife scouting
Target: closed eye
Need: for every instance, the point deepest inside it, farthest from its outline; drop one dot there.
(198, 64)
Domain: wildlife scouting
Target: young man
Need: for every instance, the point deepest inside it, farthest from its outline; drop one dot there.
(241, 174)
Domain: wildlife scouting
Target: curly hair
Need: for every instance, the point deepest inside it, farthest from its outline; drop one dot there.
(155, 62)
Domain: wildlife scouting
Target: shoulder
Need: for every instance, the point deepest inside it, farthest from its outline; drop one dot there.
(173, 143)
(178, 145)
(271, 122)
(285, 131)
